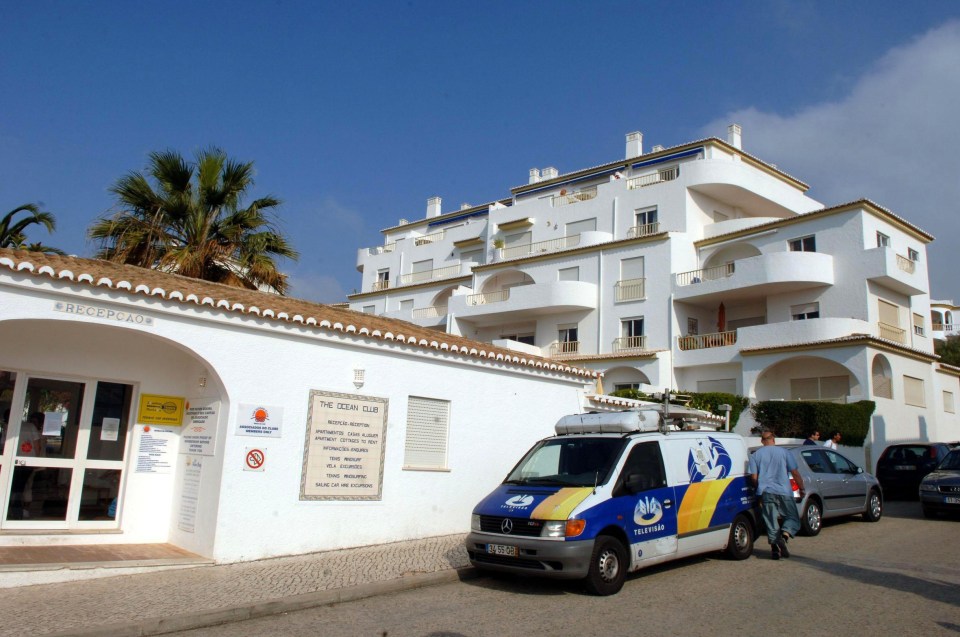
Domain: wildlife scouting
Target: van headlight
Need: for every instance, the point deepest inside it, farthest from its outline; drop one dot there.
(563, 528)
(474, 522)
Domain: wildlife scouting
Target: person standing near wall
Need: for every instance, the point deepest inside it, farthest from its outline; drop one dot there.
(770, 468)
(833, 441)
(813, 438)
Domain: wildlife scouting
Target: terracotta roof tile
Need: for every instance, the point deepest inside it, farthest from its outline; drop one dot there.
(280, 309)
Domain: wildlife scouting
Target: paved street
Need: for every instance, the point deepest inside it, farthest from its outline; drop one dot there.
(899, 576)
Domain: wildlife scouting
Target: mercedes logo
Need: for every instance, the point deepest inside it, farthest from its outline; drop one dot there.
(506, 526)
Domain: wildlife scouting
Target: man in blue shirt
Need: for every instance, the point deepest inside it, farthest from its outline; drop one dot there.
(770, 471)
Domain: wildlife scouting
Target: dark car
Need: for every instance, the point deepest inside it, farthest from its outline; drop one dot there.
(835, 487)
(902, 466)
(940, 489)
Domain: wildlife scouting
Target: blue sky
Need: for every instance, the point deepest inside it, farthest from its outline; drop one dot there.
(356, 113)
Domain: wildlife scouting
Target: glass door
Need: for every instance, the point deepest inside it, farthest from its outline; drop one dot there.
(66, 444)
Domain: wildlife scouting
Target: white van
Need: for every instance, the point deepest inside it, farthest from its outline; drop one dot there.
(616, 492)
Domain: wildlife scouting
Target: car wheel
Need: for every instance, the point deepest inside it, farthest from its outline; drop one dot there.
(608, 566)
(929, 513)
(740, 544)
(812, 518)
(874, 507)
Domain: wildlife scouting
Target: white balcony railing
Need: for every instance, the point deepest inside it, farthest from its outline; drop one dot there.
(564, 348)
(430, 275)
(906, 264)
(567, 198)
(629, 344)
(427, 239)
(707, 274)
(380, 285)
(630, 289)
(552, 245)
(706, 341)
(644, 230)
(434, 311)
(384, 249)
(667, 174)
(485, 298)
(892, 333)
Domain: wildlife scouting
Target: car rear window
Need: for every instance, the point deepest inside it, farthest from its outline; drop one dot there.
(912, 453)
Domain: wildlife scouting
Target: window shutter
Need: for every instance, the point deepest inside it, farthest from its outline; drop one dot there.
(889, 313)
(428, 423)
(913, 391)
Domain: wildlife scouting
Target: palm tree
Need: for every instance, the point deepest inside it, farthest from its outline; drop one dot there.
(191, 221)
(13, 233)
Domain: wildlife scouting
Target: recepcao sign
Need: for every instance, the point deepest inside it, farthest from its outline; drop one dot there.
(344, 448)
(160, 410)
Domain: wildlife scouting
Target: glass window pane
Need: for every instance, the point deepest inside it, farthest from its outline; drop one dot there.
(53, 399)
(39, 493)
(108, 430)
(101, 489)
(7, 381)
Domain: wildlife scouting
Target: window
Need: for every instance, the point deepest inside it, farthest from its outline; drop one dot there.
(619, 386)
(948, 402)
(631, 327)
(889, 313)
(882, 377)
(913, 391)
(422, 271)
(568, 274)
(406, 305)
(913, 255)
(472, 256)
(579, 227)
(520, 338)
(568, 334)
(518, 239)
(693, 327)
(428, 423)
(805, 311)
(645, 216)
(631, 269)
(725, 385)
(831, 388)
(803, 244)
(839, 463)
(816, 460)
(883, 241)
(383, 280)
(644, 467)
(369, 309)
(918, 328)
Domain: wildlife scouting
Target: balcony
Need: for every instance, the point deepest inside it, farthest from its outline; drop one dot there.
(379, 286)
(540, 247)
(667, 174)
(427, 239)
(630, 290)
(894, 271)
(629, 344)
(524, 301)
(943, 330)
(433, 316)
(432, 275)
(432, 312)
(706, 341)
(644, 230)
(892, 333)
(565, 349)
(565, 198)
(774, 273)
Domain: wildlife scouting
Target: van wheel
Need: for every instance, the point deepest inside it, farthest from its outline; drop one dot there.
(740, 544)
(874, 507)
(608, 566)
(812, 518)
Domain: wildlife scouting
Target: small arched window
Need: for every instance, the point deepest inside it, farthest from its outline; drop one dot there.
(882, 377)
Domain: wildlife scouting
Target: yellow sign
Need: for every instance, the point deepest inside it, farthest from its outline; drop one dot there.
(160, 410)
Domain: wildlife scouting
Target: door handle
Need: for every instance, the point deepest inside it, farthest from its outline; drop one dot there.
(667, 504)
(20, 463)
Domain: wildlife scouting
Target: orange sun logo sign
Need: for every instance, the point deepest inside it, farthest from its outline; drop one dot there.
(260, 414)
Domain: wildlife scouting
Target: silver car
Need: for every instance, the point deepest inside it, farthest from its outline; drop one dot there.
(834, 487)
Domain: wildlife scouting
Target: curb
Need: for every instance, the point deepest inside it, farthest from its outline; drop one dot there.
(252, 610)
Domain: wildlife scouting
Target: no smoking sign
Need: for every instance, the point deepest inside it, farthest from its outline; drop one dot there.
(255, 459)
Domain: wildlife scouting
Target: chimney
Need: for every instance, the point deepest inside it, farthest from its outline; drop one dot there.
(733, 136)
(534, 175)
(549, 173)
(433, 207)
(634, 144)
(656, 149)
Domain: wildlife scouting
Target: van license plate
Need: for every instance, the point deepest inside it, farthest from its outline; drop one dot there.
(905, 467)
(952, 500)
(502, 549)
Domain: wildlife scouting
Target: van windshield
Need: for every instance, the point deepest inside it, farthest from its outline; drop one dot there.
(569, 462)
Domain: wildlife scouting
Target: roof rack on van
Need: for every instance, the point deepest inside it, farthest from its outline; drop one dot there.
(653, 417)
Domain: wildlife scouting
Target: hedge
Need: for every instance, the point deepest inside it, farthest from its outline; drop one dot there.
(798, 419)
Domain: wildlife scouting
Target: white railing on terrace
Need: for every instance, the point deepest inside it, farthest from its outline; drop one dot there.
(644, 230)
(892, 333)
(906, 264)
(567, 198)
(667, 174)
(707, 274)
(630, 289)
(629, 343)
(435, 311)
(706, 341)
(428, 238)
(485, 298)
(430, 275)
(566, 348)
(384, 249)
(380, 285)
(945, 327)
(551, 245)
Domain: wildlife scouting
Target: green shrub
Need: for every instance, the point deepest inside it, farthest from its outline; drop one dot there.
(798, 419)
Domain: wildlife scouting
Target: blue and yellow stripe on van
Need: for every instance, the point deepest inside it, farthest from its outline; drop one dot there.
(698, 508)
(561, 504)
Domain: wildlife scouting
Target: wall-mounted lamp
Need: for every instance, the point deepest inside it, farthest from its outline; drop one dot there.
(202, 382)
(358, 376)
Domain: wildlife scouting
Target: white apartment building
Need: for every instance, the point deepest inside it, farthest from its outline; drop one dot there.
(697, 267)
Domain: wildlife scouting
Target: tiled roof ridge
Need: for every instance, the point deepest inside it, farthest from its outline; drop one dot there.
(850, 338)
(185, 290)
